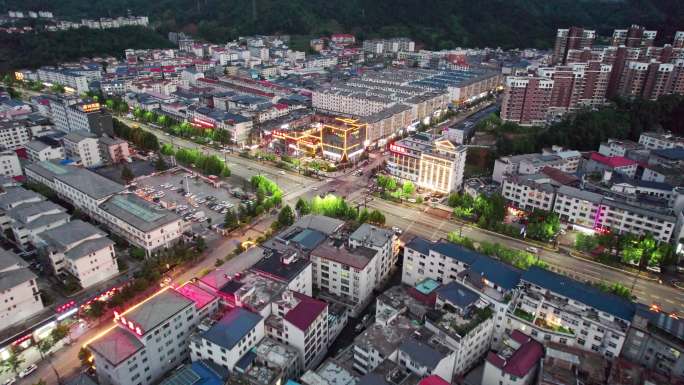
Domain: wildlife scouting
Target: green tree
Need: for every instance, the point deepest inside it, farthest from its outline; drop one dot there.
(96, 309)
(84, 356)
(160, 164)
(285, 217)
(231, 219)
(59, 332)
(13, 363)
(127, 174)
(376, 217)
(222, 136)
(57, 88)
(408, 188)
(302, 207)
(44, 346)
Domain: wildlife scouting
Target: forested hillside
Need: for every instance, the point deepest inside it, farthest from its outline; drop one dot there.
(436, 23)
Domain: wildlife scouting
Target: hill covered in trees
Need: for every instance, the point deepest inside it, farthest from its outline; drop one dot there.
(435, 23)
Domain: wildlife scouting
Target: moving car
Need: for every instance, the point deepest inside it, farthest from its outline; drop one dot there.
(532, 250)
(29, 369)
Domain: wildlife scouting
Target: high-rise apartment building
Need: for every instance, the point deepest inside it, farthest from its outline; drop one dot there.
(573, 38)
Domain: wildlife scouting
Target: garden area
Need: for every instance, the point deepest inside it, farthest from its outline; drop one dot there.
(393, 191)
(518, 258)
(639, 251)
(192, 157)
(336, 207)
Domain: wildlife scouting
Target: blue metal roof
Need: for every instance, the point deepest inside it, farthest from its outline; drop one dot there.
(246, 360)
(420, 245)
(421, 353)
(670, 153)
(581, 292)
(309, 239)
(503, 275)
(458, 294)
(236, 324)
(457, 252)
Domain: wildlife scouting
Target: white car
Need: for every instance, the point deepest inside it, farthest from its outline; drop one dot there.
(396, 230)
(532, 250)
(29, 369)
(281, 172)
(10, 381)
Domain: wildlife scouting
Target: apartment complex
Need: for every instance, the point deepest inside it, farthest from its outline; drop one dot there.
(72, 80)
(573, 38)
(113, 150)
(19, 291)
(13, 134)
(149, 340)
(81, 250)
(9, 164)
(74, 115)
(564, 160)
(432, 163)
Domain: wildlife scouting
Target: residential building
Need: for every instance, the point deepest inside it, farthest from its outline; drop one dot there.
(9, 164)
(19, 291)
(573, 38)
(300, 321)
(382, 240)
(567, 161)
(380, 342)
(12, 197)
(424, 354)
(441, 261)
(591, 210)
(345, 273)
(287, 267)
(535, 191)
(28, 220)
(526, 100)
(656, 141)
(73, 115)
(634, 36)
(237, 125)
(615, 147)
(81, 250)
(148, 341)
(44, 148)
(517, 364)
(113, 150)
(654, 340)
(227, 340)
(71, 80)
(269, 363)
(82, 148)
(379, 47)
(559, 309)
(617, 164)
(432, 163)
(464, 321)
(14, 134)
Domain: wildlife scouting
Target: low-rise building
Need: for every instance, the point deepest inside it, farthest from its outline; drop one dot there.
(113, 150)
(44, 148)
(13, 134)
(149, 340)
(28, 220)
(432, 163)
(517, 364)
(656, 141)
(19, 291)
(12, 197)
(424, 354)
(230, 338)
(381, 240)
(559, 309)
(567, 161)
(81, 250)
(9, 164)
(82, 148)
(566, 365)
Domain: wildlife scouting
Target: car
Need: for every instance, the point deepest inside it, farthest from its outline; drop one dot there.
(315, 188)
(396, 230)
(532, 249)
(10, 381)
(29, 369)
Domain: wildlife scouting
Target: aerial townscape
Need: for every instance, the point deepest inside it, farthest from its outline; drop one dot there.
(184, 203)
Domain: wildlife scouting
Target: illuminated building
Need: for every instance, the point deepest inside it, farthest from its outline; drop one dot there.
(149, 339)
(75, 81)
(552, 307)
(304, 141)
(72, 115)
(432, 163)
(18, 290)
(343, 139)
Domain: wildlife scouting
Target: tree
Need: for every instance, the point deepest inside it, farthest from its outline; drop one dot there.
(44, 346)
(376, 217)
(408, 188)
(127, 174)
(222, 136)
(57, 88)
(96, 309)
(84, 356)
(302, 207)
(285, 217)
(231, 219)
(13, 363)
(160, 164)
(200, 244)
(59, 332)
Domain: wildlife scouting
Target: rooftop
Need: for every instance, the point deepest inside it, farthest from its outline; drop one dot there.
(372, 235)
(521, 361)
(197, 373)
(458, 294)
(280, 267)
(330, 373)
(306, 312)
(157, 309)
(14, 277)
(586, 294)
(16, 195)
(77, 136)
(325, 225)
(230, 329)
(386, 339)
(9, 260)
(422, 351)
(116, 346)
(137, 212)
(357, 257)
(62, 238)
(275, 353)
(613, 161)
(88, 247)
(88, 182)
(569, 365)
(199, 296)
(253, 291)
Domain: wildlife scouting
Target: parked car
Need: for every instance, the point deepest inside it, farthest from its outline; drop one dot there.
(10, 381)
(29, 369)
(532, 249)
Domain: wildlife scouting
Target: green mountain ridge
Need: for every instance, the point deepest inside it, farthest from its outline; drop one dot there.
(435, 23)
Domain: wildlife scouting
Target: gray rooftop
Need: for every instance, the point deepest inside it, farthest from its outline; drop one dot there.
(158, 309)
(325, 225)
(116, 346)
(88, 247)
(94, 185)
(77, 136)
(12, 278)
(14, 196)
(421, 352)
(10, 260)
(386, 339)
(372, 235)
(62, 237)
(137, 212)
(24, 212)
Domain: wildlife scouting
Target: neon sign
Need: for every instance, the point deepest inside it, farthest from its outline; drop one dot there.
(395, 148)
(91, 107)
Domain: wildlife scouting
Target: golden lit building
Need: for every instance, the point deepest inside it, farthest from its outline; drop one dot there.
(343, 139)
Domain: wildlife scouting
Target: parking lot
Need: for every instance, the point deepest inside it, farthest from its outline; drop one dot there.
(193, 198)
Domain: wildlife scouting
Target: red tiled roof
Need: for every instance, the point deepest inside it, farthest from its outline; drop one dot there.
(522, 361)
(306, 311)
(198, 295)
(612, 161)
(519, 336)
(433, 380)
(559, 176)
